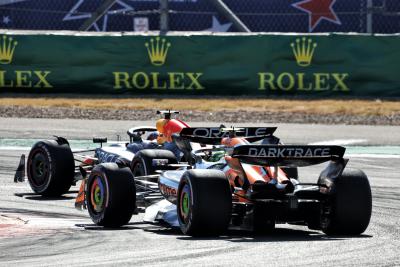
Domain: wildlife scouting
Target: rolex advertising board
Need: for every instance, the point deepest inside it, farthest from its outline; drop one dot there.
(255, 64)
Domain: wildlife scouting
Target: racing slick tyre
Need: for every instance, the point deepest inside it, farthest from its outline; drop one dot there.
(142, 163)
(204, 202)
(111, 195)
(350, 206)
(50, 168)
(262, 224)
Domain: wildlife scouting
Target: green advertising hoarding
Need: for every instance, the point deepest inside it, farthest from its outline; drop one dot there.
(252, 64)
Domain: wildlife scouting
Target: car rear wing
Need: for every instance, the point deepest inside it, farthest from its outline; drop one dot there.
(214, 135)
(287, 155)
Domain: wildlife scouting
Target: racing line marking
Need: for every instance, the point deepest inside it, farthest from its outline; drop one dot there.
(339, 142)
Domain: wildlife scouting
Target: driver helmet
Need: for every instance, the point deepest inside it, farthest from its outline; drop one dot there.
(167, 128)
(160, 128)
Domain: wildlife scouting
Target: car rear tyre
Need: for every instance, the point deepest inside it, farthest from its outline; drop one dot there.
(142, 163)
(111, 195)
(204, 203)
(350, 206)
(50, 168)
(262, 223)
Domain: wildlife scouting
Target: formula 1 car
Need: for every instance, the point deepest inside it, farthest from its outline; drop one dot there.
(247, 187)
(51, 169)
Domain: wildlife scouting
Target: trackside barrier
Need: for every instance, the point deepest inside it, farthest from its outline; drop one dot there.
(245, 64)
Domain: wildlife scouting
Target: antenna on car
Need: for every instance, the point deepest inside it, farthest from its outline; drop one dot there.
(167, 113)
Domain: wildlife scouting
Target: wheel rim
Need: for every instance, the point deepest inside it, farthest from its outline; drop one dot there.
(40, 169)
(185, 203)
(97, 194)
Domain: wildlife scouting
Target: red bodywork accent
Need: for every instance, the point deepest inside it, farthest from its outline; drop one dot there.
(167, 128)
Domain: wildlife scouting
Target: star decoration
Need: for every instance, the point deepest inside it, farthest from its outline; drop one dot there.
(318, 10)
(6, 19)
(9, 2)
(218, 27)
(123, 7)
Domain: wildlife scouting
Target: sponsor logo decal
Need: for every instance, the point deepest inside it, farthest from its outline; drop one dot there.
(11, 78)
(7, 48)
(167, 191)
(304, 51)
(289, 152)
(216, 132)
(106, 157)
(157, 50)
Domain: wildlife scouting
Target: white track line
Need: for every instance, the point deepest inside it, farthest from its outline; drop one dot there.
(380, 156)
(339, 142)
(15, 148)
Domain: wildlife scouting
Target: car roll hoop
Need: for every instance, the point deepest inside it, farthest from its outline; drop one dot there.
(167, 113)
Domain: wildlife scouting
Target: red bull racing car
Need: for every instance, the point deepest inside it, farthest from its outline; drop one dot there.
(51, 168)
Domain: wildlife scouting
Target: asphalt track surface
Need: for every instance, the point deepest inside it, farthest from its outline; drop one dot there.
(36, 231)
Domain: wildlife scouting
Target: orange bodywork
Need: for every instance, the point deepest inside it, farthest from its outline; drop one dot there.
(80, 198)
(238, 172)
(231, 142)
